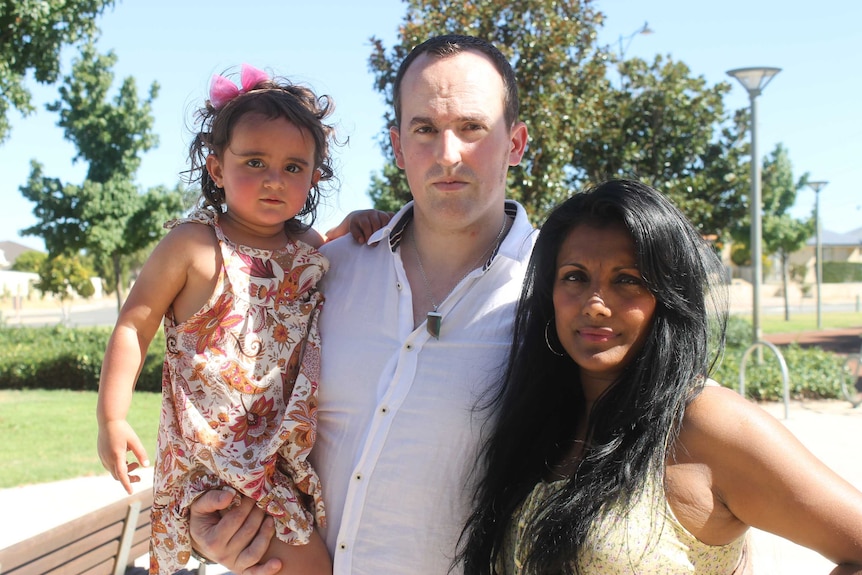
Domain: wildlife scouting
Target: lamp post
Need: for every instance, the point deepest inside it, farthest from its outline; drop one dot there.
(754, 80)
(645, 29)
(818, 247)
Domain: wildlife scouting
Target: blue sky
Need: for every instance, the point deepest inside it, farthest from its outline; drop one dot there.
(812, 106)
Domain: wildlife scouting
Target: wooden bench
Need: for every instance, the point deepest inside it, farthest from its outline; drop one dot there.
(104, 542)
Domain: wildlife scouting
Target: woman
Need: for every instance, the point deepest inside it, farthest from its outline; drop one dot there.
(611, 450)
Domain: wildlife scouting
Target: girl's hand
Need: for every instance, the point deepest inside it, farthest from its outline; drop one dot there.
(360, 224)
(116, 438)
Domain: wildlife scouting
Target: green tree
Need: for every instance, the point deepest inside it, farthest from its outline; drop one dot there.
(110, 134)
(63, 276)
(669, 129)
(103, 216)
(781, 234)
(31, 37)
(57, 211)
(561, 79)
(29, 261)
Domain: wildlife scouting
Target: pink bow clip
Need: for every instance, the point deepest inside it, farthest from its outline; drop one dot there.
(223, 90)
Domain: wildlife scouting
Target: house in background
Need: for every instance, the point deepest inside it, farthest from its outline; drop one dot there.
(15, 285)
(835, 247)
(9, 252)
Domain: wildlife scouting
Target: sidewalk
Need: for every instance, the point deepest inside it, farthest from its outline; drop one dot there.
(830, 429)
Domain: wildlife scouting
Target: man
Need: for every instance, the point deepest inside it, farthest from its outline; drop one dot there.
(415, 330)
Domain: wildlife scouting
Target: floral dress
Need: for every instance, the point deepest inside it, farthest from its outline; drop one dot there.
(239, 395)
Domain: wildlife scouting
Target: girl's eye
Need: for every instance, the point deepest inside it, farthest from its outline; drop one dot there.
(293, 169)
(254, 163)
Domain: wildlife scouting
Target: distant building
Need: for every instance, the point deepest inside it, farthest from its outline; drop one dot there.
(17, 285)
(835, 247)
(9, 252)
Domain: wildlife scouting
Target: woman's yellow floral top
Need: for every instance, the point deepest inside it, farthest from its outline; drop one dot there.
(645, 539)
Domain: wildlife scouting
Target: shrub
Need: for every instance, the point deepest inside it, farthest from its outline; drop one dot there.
(66, 358)
(840, 272)
(738, 332)
(71, 358)
(812, 372)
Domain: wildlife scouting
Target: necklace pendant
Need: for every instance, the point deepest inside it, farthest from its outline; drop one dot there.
(433, 321)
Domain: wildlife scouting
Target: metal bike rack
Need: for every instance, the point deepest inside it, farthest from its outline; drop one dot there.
(784, 373)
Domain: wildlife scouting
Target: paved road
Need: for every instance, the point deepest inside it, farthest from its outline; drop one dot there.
(81, 314)
(104, 312)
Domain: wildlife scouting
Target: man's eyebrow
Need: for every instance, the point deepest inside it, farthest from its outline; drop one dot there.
(420, 121)
(427, 121)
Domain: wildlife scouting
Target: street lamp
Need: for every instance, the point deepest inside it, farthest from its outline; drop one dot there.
(818, 247)
(754, 80)
(645, 29)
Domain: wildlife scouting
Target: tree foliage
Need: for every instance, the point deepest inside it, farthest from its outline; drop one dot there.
(106, 216)
(29, 261)
(668, 128)
(65, 275)
(110, 134)
(661, 124)
(31, 37)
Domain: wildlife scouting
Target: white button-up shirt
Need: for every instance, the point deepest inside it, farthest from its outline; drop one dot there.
(398, 424)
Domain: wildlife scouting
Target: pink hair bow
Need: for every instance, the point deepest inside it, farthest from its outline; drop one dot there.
(223, 90)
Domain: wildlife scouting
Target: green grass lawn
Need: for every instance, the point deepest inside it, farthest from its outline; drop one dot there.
(51, 435)
(775, 323)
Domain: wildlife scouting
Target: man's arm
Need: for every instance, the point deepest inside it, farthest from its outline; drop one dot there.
(236, 538)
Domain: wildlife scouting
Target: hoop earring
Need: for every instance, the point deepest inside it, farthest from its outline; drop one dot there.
(548, 341)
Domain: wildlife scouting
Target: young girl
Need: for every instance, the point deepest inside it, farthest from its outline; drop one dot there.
(236, 283)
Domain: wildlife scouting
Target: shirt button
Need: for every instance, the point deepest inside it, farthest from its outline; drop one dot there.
(384, 410)
(398, 285)
(342, 546)
(409, 347)
(358, 477)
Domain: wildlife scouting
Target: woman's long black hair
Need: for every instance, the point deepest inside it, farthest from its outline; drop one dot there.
(633, 425)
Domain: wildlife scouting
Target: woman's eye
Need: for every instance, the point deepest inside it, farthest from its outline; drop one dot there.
(631, 280)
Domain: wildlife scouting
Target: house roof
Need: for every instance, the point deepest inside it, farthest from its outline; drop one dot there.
(11, 251)
(827, 238)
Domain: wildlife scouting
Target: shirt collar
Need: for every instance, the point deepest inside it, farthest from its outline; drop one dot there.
(399, 222)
